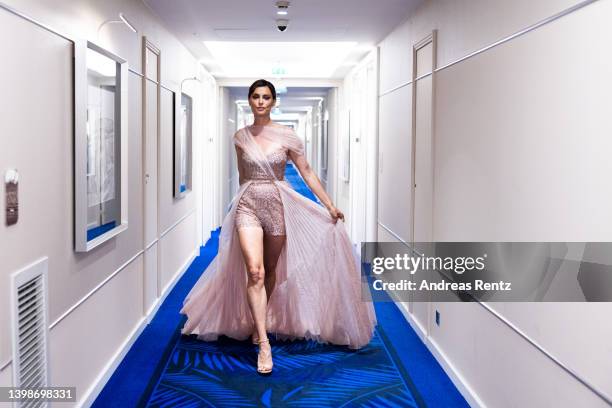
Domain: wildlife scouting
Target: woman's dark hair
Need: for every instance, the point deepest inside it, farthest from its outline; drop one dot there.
(259, 83)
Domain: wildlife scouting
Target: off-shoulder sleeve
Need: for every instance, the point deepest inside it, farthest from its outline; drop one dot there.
(238, 138)
(294, 143)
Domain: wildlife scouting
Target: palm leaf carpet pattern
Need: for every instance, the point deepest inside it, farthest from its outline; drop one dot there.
(306, 374)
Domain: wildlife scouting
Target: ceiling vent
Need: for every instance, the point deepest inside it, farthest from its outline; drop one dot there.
(29, 323)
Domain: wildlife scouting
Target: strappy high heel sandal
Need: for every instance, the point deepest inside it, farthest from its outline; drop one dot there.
(262, 367)
(255, 337)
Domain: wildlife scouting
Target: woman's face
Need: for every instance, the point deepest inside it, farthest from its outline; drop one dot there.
(261, 101)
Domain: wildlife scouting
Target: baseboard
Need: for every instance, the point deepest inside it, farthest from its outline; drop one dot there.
(177, 276)
(455, 376)
(107, 372)
(92, 393)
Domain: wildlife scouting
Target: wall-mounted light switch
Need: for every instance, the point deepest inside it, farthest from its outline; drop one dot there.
(11, 182)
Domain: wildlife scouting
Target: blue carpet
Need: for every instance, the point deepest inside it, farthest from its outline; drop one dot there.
(165, 369)
(294, 178)
(306, 374)
(146, 358)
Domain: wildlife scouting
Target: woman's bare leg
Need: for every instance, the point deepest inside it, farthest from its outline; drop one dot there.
(251, 243)
(273, 245)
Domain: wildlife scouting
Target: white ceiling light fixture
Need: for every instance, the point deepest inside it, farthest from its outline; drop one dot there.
(300, 59)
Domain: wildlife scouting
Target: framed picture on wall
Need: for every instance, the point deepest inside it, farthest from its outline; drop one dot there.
(100, 145)
(183, 136)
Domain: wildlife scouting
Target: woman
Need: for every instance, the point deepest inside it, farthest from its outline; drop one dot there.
(285, 265)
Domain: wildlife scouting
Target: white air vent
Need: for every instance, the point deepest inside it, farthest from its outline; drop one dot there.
(30, 328)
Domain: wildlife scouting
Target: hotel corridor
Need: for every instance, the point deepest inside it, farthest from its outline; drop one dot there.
(466, 143)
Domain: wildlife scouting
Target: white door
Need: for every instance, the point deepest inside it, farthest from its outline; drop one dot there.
(422, 142)
(150, 110)
(422, 188)
(362, 142)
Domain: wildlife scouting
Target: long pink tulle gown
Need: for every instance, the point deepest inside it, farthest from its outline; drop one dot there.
(318, 291)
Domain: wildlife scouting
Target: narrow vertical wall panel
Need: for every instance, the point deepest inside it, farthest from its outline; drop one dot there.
(423, 163)
(395, 162)
(424, 58)
(423, 135)
(371, 147)
(152, 65)
(176, 251)
(422, 189)
(151, 168)
(151, 285)
(151, 92)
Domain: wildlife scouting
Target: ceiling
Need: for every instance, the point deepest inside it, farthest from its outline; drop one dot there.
(243, 41)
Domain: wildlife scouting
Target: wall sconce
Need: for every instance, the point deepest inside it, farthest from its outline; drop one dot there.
(122, 19)
(189, 79)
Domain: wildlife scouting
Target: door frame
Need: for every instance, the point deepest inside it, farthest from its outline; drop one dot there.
(429, 39)
(147, 45)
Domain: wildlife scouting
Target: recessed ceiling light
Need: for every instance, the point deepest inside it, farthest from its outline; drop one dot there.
(282, 12)
(300, 59)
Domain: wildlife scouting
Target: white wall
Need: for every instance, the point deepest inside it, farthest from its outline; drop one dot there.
(356, 197)
(521, 136)
(208, 122)
(333, 136)
(85, 308)
(226, 159)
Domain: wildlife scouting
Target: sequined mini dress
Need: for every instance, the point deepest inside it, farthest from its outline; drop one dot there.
(260, 205)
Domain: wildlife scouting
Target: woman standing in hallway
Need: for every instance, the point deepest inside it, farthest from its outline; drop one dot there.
(285, 265)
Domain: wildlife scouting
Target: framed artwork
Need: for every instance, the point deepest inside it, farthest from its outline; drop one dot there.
(183, 144)
(100, 145)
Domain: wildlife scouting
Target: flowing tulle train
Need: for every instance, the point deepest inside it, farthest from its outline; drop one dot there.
(318, 293)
